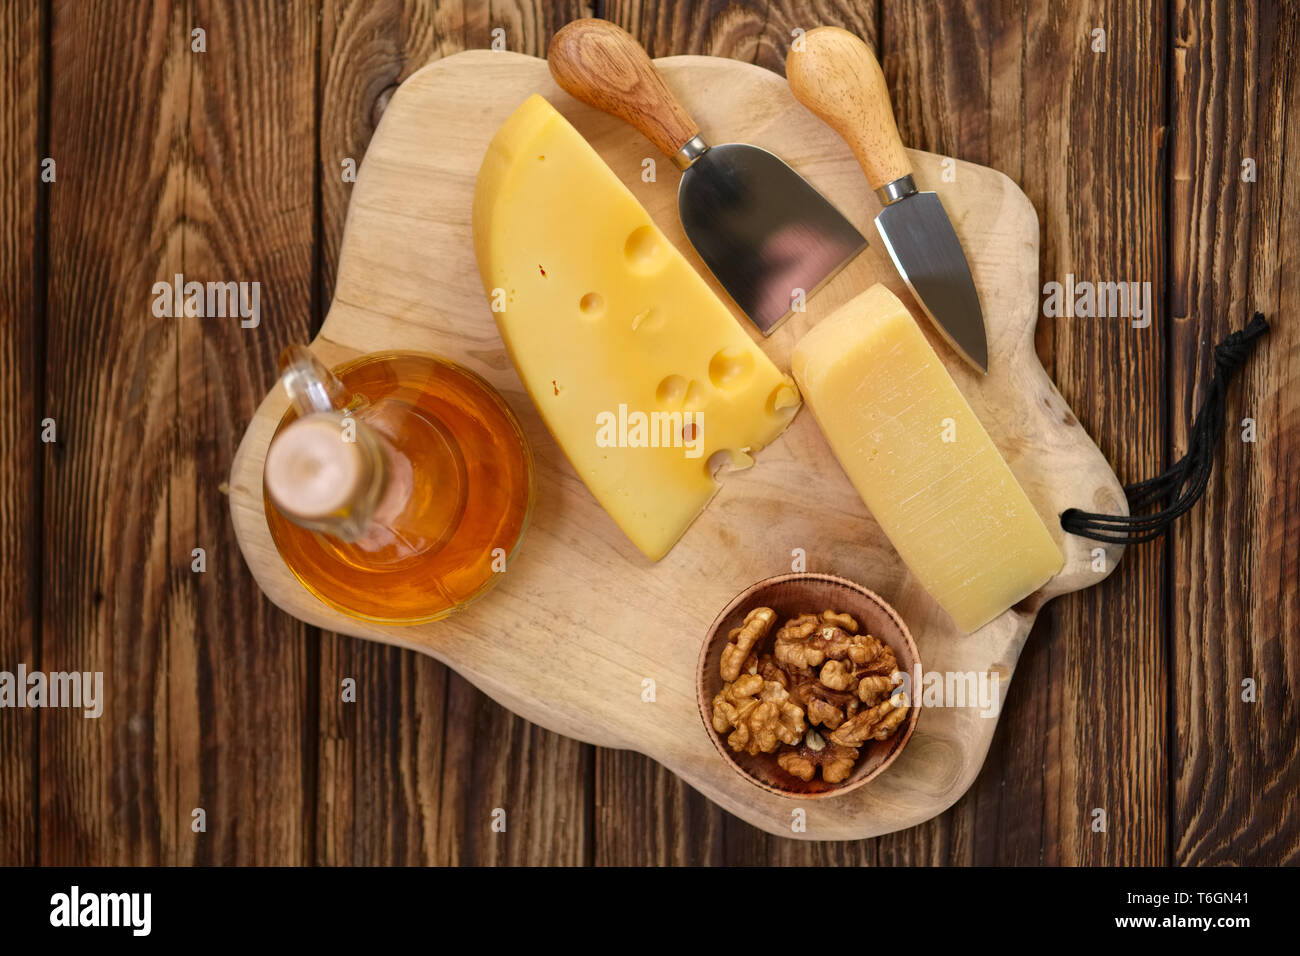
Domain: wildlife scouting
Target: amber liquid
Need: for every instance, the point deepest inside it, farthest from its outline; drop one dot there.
(470, 500)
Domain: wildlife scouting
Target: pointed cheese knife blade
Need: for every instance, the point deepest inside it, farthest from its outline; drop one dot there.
(762, 230)
(919, 238)
(836, 76)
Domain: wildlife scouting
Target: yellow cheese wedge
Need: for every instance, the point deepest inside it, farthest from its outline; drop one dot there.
(640, 372)
(921, 460)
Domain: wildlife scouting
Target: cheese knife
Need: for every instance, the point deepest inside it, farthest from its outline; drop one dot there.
(835, 75)
(762, 230)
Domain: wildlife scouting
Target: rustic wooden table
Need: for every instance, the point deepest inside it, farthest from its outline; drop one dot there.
(1162, 157)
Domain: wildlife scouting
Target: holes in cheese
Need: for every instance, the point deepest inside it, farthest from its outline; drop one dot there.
(655, 375)
(646, 249)
(671, 391)
(729, 370)
(922, 462)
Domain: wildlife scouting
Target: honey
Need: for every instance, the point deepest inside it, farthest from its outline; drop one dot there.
(423, 512)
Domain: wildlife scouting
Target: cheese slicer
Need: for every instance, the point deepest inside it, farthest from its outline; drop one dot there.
(763, 231)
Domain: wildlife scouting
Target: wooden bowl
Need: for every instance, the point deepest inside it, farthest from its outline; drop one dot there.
(790, 595)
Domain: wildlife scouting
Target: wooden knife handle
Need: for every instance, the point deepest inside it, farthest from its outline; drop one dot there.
(836, 76)
(601, 64)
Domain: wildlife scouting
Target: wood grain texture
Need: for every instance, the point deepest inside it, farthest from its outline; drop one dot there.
(645, 815)
(189, 169)
(368, 47)
(247, 216)
(21, 194)
(1109, 645)
(758, 33)
(407, 280)
(381, 760)
(1235, 606)
(420, 769)
(111, 386)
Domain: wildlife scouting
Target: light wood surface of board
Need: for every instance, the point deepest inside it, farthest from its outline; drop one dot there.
(581, 619)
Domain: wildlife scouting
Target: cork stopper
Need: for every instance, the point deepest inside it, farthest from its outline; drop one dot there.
(311, 471)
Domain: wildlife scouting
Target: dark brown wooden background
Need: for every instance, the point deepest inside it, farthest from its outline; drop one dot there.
(226, 164)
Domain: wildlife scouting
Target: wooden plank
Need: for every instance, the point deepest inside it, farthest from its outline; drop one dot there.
(1235, 559)
(248, 218)
(646, 816)
(381, 754)
(111, 387)
(400, 780)
(369, 48)
(1093, 166)
(423, 769)
(22, 54)
(750, 30)
(502, 771)
(208, 176)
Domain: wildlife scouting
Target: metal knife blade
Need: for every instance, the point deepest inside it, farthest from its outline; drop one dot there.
(920, 239)
(762, 230)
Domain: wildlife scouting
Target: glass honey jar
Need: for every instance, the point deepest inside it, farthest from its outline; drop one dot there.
(397, 486)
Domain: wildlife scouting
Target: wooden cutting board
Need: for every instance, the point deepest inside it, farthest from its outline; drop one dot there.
(581, 621)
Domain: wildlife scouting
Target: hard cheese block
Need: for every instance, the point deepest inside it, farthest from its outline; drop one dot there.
(921, 460)
(640, 372)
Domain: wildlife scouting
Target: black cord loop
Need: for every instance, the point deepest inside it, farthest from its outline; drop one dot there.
(1183, 483)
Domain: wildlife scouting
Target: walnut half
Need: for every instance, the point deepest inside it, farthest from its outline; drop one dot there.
(815, 753)
(742, 639)
(875, 723)
(759, 713)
